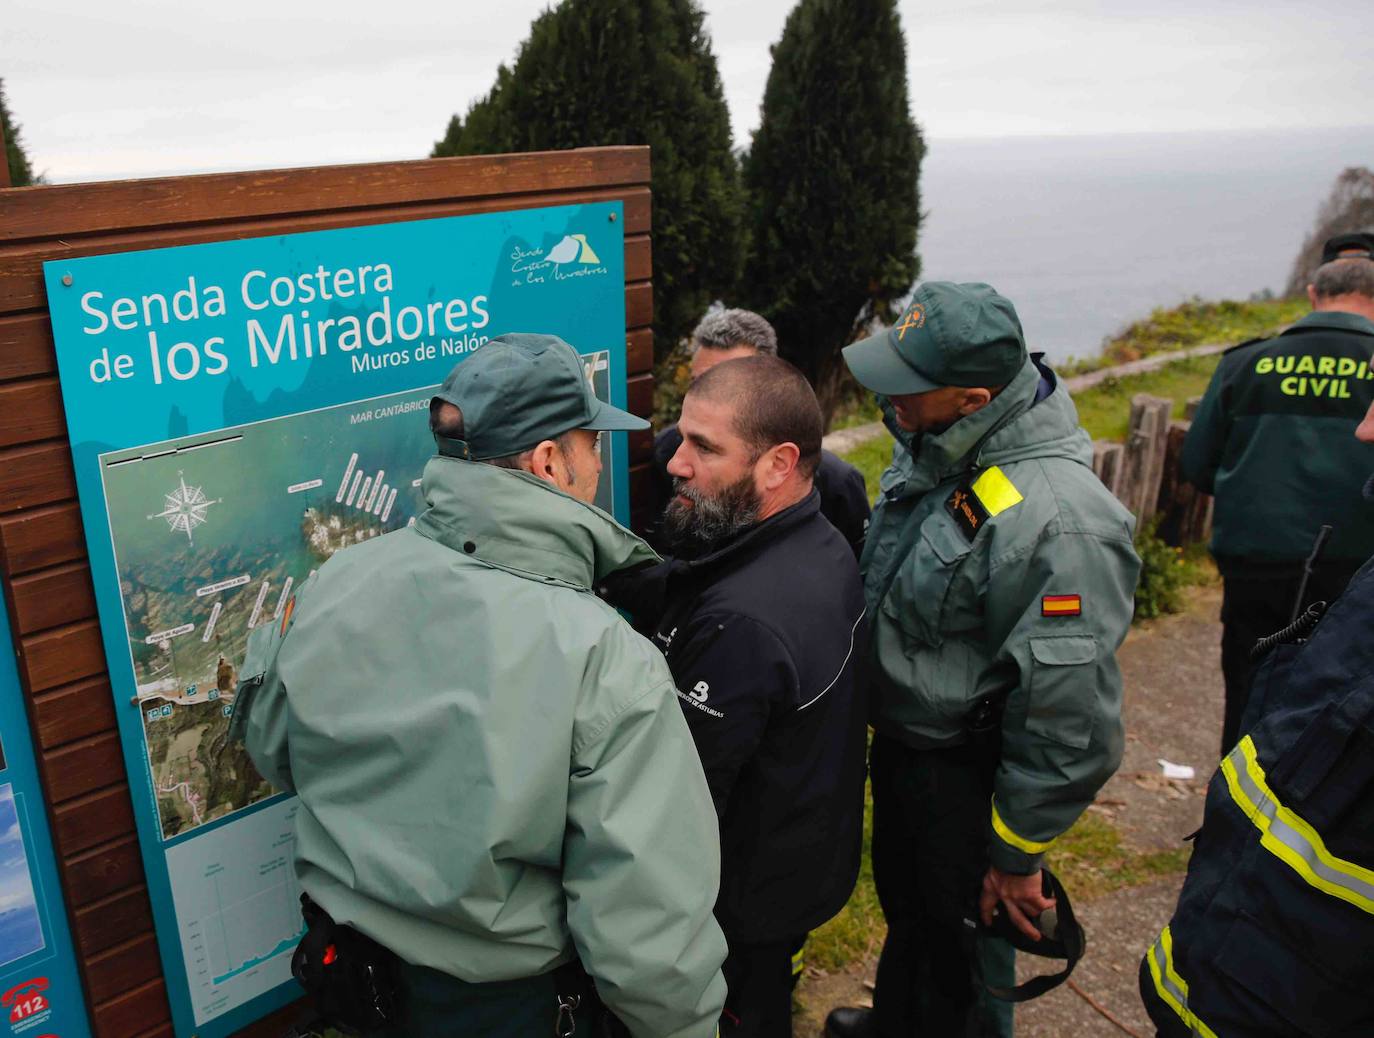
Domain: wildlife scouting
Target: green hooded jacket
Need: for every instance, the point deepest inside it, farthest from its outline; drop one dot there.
(493, 770)
(998, 568)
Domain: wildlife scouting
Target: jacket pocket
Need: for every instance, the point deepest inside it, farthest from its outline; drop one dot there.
(1063, 689)
(916, 601)
(1327, 776)
(1313, 998)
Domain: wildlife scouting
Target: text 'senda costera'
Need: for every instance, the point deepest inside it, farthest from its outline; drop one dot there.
(279, 325)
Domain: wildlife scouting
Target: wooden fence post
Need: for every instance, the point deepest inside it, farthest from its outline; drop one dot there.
(1143, 464)
(1107, 458)
(1185, 512)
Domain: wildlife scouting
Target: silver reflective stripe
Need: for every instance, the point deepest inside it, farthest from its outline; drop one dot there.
(1172, 988)
(1291, 838)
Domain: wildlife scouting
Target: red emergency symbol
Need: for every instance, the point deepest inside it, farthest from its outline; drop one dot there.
(26, 999)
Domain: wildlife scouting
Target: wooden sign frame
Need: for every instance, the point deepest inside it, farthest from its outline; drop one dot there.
(43, 567)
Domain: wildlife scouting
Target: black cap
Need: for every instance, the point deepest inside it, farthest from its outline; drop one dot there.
(1349, 246)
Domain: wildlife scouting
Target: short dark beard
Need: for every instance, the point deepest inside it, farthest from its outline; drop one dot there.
(694, 530)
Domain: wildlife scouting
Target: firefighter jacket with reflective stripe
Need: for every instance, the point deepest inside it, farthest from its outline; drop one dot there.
(1274, 440)
(493, 771)
(1000, 574)
(1274, 930)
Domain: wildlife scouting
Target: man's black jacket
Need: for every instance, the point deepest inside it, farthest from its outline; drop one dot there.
(765, 639)
(844, 498)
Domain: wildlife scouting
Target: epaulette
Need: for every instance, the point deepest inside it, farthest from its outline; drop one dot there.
(1242, 345)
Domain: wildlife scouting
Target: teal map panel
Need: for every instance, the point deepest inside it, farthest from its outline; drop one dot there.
(40, 993)
(239, 412)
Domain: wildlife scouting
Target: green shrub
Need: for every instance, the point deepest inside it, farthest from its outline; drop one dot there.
(1164, 573)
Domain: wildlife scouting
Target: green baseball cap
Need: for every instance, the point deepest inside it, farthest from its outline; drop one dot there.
(949, 335)
(520, 389)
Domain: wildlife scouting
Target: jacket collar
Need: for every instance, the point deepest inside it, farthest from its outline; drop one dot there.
(932, 457)
(518, 523)
(1335, 320)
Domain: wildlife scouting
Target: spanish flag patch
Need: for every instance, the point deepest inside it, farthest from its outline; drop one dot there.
(1061, 605)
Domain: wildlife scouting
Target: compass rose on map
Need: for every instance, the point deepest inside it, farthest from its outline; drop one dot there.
(187, 508)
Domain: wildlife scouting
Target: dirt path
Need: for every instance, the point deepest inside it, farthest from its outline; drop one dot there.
(1173, 711)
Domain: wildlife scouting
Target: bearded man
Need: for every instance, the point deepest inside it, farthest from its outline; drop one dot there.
(759, 615)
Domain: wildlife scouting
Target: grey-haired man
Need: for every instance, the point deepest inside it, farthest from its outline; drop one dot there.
(726, 335)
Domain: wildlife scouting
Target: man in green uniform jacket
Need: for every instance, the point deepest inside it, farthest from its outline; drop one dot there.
(494, 775)
(1000, 577)
(1273, 441)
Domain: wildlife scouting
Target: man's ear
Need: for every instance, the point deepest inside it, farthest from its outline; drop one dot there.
(777, 464)
(1312, 296)
(975, 399)
(541, 461)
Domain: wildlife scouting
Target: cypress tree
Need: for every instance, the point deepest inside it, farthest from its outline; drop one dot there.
(607, 72)
(832, 183)
(21, 173)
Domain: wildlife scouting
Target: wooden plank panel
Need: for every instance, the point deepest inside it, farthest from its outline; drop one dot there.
(73, 209)
(640, 488)
(639, 351)
(639, 264)
(83, 767)
(639, 395)
(21, 267)
(101, 872)
(641, 446)
(641, 494)
(125, 966)
(106, 923)
(98, 818)
(31, 411)
(639, 304)
(133, 1013)
(60, 595)
(35, 475)
(163, 1030)
(42, 537)
(73, 712)
(26, 346)
(62, 655)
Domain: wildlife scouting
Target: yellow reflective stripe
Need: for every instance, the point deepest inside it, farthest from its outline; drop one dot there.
(1019, 842)
(995, 491)
(1291, 838)
(798, 961)
(1172, 988)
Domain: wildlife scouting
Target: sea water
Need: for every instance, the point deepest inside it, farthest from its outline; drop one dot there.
(1086, 234)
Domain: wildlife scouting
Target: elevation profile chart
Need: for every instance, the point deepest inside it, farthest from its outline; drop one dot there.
(241, 914)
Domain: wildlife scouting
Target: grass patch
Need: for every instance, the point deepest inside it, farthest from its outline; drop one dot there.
(1193, 323)
(1105, 409)
(857, 932)
(1091, 860)
(871, 458)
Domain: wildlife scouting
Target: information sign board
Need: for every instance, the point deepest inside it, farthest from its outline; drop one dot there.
(239, 411)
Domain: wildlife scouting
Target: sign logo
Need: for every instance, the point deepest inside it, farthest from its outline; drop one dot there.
(914, 318)
(571, 257)
(26, 1000)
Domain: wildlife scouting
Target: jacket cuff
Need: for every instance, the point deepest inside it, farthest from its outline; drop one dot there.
(1012, 853)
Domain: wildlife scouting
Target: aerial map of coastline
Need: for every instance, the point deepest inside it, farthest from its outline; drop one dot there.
(210, 535)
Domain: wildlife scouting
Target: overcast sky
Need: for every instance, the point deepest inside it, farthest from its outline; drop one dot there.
(143, 87)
